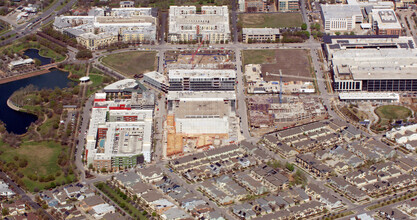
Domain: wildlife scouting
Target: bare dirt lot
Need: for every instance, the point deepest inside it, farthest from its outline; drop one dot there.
(294, 64)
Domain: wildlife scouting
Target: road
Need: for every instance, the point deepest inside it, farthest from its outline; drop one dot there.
(49, 14)
(23, 194)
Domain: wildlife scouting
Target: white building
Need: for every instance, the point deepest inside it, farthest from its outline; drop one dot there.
(369, 96)
(157, 80)
(118, 134)
(340, 17)
(201, 79)
(186, 25)
(107, 26)
(20, 63)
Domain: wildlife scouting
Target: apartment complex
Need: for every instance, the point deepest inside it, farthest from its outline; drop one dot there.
(260, 34)
(119, 135)
(288, 5)
(186, 25)
(340, 17)
(104, 26)
(385, 22)
(201, 79)
(372, 63)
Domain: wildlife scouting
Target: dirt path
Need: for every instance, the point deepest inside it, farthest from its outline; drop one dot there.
(45, 117)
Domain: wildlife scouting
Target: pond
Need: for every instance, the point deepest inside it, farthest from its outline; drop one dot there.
(18, 122)
(34, 53)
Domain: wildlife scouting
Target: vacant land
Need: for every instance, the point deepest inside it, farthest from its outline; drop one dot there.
(258, 57)
(42, 169)
(294, 63)
(131, 63)
(276, 20)
(388, 113)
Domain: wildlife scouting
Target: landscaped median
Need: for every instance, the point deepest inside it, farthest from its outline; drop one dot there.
(121, 199)
(391, 201)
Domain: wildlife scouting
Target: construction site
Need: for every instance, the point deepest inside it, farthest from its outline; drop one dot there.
(272, 112)
(200, 59)
(200, 120)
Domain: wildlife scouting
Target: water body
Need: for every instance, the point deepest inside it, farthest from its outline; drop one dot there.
(17, 122)
(34, 53)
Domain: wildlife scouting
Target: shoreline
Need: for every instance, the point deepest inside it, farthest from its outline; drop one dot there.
(12, 106)
(23, 76)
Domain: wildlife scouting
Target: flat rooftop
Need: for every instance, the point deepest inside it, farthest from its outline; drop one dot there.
(340, 11)
(368, 95)
(201, 73)
(201, 95)
(216, 109)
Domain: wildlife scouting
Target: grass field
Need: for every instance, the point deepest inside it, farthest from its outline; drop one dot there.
(42, 160)
(275, 20)
(391, 112)
(132, 62)
(258, 56)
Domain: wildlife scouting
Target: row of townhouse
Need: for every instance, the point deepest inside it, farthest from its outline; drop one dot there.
(371, 149)
(270, 178)
(309, 137)
(303, 211)
(321, 195)
(313, 165)
(245, 180)
(346, 188)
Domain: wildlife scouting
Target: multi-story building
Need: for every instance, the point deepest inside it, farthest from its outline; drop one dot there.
(157, 80)
(211, 25)
(340, 17)
(288, 5)
(260, 34)
(103, 27)
(372, 63)
(201, 79)
(385, 22)
(119, 135)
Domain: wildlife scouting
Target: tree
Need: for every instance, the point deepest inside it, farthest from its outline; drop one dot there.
(37, 62)
(289, 166)
(5, 211)
(304, 26)
(337, 33)
(84, 54)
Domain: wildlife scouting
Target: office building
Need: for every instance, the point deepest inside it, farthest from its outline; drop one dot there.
(372, 63)
(260, 34)
(385, 22)
(211, 25)
(340, 17)
(201, 79)
(157, 80)
(288, 5)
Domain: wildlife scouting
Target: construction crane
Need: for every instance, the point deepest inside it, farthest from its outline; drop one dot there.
(196, 51)
(280, 86)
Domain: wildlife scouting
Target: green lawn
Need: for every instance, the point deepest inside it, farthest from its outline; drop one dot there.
(258, 56)
(275, 20)
(77, 71)
(49, 123)
(112, 194)
(43, 51)
(392, 112)
(42, 160)
(132, 62)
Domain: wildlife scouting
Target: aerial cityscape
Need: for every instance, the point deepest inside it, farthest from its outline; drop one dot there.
(208, 109)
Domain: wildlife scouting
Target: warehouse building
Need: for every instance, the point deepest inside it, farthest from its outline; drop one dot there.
(340, 17)
(201, 79)
(186, 25)
(372, 63)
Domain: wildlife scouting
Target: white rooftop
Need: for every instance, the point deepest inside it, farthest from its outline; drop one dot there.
(368, 96)
(201, 73)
